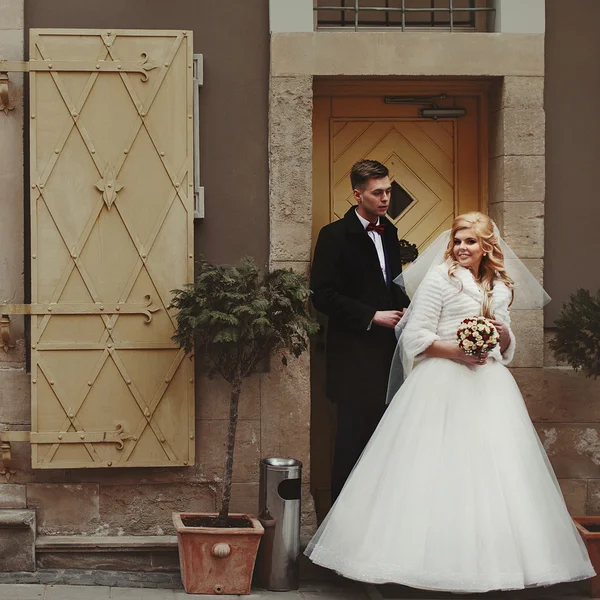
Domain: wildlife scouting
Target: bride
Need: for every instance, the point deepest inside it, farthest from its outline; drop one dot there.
(454, 491)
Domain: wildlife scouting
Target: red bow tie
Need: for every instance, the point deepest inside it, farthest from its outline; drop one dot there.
(378, 228)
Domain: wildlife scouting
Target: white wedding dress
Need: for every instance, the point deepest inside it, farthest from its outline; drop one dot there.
(454, 491)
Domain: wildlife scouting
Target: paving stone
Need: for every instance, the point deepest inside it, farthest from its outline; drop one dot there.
(12, 591)
(76, 592)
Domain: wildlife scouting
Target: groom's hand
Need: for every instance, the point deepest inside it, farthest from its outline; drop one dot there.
(387, 318)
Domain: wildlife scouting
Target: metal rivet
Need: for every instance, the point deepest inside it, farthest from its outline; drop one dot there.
(49, 309)
(134, 438)
(101, 307)
(60, 437)
(33, 116)
(109, 463)
(109, 327)
(176, 184)
(191, 381)
(166, 64)
(93, 151)
(184, 33)
(185, 462)
(125, 151)
(82, 436)
(143, 114)
(52, 383)
(162, 153)
(190, 256)
(118, 308)
(129, 382)
(56, 151)
(89, 383)
(97, 66)
(162, 440)
(189, 66)
(71, 416)
(33, 186)
(33, 346)
(119, 67)
(109, 43)
(50, 65)
(189, 116)
(109, 345)
(143, 256)
(34, 381)
(74, 113)
(109, 32)
(191, 436)
(33, 256)
(167, 380)
(74, 255)
(41, 186)
(190, 184)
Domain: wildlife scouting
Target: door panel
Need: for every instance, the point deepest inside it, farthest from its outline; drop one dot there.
(111, 235)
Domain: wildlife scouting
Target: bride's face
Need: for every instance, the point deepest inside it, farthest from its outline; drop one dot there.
(467, 250)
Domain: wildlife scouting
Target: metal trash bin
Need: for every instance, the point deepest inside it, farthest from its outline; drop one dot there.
(279, 513)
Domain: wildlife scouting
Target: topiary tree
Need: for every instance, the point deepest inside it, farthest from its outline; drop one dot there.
(236, 317)
(577, 339)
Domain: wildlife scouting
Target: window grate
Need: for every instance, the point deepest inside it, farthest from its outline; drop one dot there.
(447, 15)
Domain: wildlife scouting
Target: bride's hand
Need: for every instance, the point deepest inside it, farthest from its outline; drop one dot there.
(502, 333)
(470, 360)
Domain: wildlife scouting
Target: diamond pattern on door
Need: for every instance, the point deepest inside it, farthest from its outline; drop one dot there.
(111, 235)
(420, 157)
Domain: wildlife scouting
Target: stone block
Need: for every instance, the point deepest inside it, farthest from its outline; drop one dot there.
(290, 151)
(64, 509)
(517, 131)
(212, 398)
(575, 492)
(528, 328)
(211, 447)
(15, 397)
(308, 516)
(522, 226)
(290, 241)
(573, 449)
(376, 53)
(559, 395)
(120, 561)
(244, 498)
(13, 496)
(517, 179)
(285, 412)
(593, 497)
(146, 509)
(17, 540)
(12, 14)
(523, 92)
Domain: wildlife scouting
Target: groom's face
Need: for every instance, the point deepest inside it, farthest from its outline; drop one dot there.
(374, 198)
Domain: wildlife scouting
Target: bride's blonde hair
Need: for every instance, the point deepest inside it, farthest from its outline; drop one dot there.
(492, 263)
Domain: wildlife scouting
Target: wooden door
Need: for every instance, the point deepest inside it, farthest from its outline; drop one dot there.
(438, 169)
(111, 176)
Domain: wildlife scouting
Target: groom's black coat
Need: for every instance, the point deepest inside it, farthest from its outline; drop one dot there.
(348, 287)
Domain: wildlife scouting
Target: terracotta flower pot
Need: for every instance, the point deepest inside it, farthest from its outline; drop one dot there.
(589, 528)
(217, 560)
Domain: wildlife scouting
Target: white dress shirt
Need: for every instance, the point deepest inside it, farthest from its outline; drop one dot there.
(376, 237)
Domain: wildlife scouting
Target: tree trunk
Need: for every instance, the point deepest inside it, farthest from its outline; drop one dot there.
(236, 388)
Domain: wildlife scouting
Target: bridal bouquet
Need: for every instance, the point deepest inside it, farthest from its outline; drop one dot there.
(477, 335)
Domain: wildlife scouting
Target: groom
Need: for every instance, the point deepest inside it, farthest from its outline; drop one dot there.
(355, 262)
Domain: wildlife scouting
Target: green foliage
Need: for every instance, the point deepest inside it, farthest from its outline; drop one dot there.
(237, 316)
(578, 333)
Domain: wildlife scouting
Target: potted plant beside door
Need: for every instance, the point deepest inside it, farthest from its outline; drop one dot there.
(235, 318)
(577, 342)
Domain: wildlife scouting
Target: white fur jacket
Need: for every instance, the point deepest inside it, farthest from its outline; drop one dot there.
(440, 305)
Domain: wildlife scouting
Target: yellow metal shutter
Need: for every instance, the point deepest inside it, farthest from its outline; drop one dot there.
(111, 235)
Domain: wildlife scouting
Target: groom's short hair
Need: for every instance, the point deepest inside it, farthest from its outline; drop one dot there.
(364, 170)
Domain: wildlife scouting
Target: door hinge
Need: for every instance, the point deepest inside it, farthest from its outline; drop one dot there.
(6, 437)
